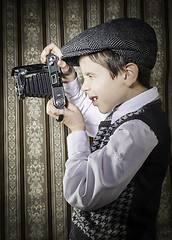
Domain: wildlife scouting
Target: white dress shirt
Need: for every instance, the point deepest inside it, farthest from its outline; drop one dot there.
(93, 180)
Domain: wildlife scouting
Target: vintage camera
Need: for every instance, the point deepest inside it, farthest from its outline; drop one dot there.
(41, 80)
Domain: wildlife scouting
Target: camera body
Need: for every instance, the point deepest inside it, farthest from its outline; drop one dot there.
(56, 81)
(41, 80)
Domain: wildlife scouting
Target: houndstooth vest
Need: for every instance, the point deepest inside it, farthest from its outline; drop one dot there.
(109, 222)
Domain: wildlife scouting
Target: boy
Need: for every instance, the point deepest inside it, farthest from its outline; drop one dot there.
(114, 185)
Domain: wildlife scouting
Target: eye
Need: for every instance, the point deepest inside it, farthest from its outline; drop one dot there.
(90, 76)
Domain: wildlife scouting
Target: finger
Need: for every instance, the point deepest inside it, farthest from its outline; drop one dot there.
(66, 69)
(45, 53)
(51, 109)
(48, 49)
(62, 64)
(60, 112)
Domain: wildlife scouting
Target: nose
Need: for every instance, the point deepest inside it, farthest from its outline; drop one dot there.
(85, 86)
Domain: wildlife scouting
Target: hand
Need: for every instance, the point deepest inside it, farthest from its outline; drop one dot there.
(68, 72)
(73, 118)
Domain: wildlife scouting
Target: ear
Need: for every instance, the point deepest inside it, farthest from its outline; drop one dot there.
(131, 74)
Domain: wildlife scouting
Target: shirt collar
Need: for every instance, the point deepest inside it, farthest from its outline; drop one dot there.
(135, 103)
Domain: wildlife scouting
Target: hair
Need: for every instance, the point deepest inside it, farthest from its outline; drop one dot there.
(115, 64)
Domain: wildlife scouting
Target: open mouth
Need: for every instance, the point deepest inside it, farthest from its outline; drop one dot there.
(94, 100)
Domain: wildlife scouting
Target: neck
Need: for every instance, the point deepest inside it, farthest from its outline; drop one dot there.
(135, 90)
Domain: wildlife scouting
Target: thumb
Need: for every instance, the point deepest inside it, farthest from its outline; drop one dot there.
(71, 107)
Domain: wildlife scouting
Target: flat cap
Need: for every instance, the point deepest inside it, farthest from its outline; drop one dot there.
(131, 38)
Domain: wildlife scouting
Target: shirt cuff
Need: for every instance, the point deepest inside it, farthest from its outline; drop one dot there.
(78, 142)
(72, 88)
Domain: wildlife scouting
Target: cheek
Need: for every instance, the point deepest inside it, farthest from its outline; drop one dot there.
(96, 88)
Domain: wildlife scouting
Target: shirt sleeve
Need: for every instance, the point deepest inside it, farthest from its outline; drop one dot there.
(91, 114)
(93, 180)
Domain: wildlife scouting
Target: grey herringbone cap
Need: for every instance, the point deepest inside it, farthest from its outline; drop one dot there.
(131, 38)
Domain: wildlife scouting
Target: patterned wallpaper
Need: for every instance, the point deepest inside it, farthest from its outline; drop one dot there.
(34, 146)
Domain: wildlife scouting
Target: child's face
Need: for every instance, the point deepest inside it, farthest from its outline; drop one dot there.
(104, 91)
